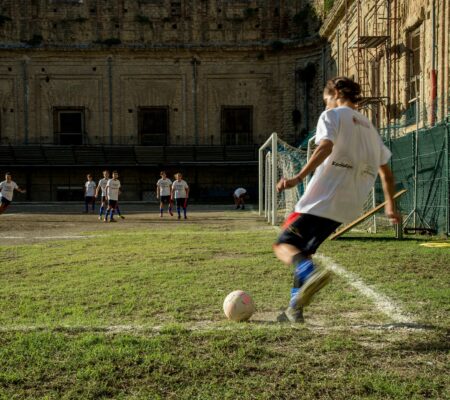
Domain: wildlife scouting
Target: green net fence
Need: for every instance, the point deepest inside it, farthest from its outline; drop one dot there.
(420, 162)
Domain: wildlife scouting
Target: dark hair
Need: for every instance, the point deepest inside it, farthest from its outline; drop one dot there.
(115, 172)
(162, 172)
(89, 175)
(8, 173)
(345, 87)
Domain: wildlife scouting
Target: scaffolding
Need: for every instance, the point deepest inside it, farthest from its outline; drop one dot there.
(369, 44)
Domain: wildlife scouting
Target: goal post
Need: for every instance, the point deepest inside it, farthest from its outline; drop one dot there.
(277, 159)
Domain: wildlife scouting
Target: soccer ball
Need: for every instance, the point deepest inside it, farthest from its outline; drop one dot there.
(238, 306)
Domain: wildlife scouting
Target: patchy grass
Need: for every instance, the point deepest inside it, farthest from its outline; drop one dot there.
(136, 314)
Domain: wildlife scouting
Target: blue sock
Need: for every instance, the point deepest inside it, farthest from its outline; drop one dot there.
(184, 211)
(178, 211)
(106, 214)
(161, 210)
(303, 270)
(101, 211)
(118, 210)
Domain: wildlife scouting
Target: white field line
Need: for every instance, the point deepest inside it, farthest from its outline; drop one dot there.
(382, 302)
(51, 237)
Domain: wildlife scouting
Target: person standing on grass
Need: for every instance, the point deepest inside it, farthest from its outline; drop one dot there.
(349, 156)
(239, 197)
(112, 195)
(163, 193)
(102, 187)
(7, 188)
(180, 193)
(89, 194)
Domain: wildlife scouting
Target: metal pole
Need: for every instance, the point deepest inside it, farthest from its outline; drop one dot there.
(110, 87)
(416, 158)
(260, 180)
(447, 171)
(274, 177)
(26, 101)
(268, 189)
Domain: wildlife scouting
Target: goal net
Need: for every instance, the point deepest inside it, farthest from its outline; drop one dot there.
(278, 159)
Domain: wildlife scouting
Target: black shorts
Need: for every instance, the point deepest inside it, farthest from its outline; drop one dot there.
(306, 231)
(165, 199)
(112, 203)
(5, 202)
(181, 202)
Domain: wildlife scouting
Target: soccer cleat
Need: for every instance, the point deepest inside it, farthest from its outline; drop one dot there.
(313, 284)
(121, 216)
(291, 315)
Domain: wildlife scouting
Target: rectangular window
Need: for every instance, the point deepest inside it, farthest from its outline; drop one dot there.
(175, 9)
(414, 64)
(69, 125)
(153, 126)
(237, 125)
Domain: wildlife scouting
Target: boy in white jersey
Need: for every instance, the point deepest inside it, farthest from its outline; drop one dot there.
(7, 188)
(239, 197)
(180, 192)
(163, 193)
(102, 187)
(112, 194)
(89, 194)
(349, 156)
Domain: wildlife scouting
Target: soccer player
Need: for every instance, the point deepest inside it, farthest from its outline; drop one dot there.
(102, 187)
(112, 194)
(164, 192)
(180, 193)
(349, 156)
(7, 188)
(89, 194)
(239, 197)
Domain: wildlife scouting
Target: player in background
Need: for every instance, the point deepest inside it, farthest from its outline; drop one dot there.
(102, 187)
(239, 197)
(163, 193)
(180, 193)
(112, 194)
(349, 156)
(89, 194)
(7, 188)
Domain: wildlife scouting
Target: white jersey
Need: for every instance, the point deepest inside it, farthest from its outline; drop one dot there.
(179, 189)
(164, 186)
(342, 183)
(239, 192)
(7, 189)
(90, 188)
(102, 183)
(113, 186)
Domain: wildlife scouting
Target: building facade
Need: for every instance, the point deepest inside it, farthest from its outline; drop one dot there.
(151, 84)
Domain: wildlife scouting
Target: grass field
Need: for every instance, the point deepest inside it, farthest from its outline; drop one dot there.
(133, 310)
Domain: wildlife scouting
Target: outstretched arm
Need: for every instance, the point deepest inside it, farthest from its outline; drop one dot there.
(319, 156)
(388, 182)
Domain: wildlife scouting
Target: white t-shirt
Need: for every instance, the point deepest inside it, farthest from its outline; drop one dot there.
(164, 186)
(7, 189)
(341, 184)
(113, 186)
(90, 188)
(179, 189)
(239, 191)
(102, 183)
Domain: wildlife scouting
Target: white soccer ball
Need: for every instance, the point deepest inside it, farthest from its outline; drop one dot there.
(238, 306)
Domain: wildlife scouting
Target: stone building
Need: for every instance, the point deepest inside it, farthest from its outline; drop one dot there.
(399, 51)
(142, 85)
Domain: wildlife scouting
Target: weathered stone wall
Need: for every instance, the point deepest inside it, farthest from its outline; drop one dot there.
(341, 29)
(113, 57)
